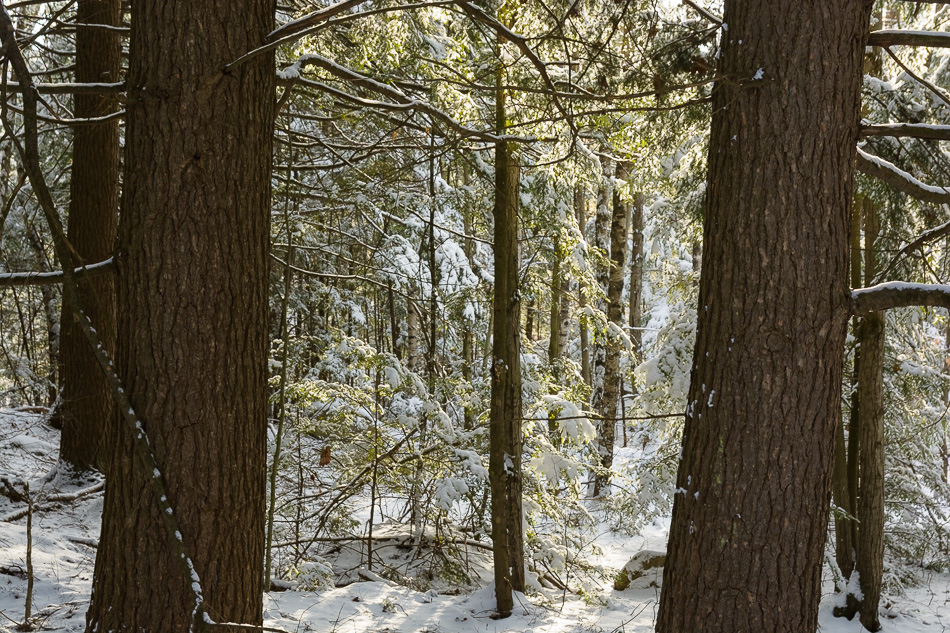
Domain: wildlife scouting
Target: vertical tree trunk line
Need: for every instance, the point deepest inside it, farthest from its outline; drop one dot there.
(468, 337)
(869, 542)
(504, 465)
(191, 277)
(93, 213)
(601, 242)
(580, 209)
(636, 274)
(611, 339)
(750, 518)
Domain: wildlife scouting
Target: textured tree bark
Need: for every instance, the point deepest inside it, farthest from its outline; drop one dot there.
(601, 242)
(869, 560)
(468, 337)
(580, 209)
(606, 434)
(93, 212)
(413, 354)
(192, 321)
(504, 463)
(636, 273)
(869, 547)
(555, 351)
(750, 519)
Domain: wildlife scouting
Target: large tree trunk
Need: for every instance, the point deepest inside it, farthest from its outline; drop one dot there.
(93, 210)
(192, 327)
(749, 527)
(606, 434)
(504, 463)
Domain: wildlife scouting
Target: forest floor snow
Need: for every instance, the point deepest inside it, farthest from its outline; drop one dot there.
(66, 526)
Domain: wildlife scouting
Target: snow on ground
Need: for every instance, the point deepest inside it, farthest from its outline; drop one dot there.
(65, 533)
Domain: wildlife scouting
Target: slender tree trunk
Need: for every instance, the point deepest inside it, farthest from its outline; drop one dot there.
(869, 548)
(601, 242)
(869, 558)
(844, 535)
(413, 356)
(468, 336)
(749, 527)
(93, 212)
(945, 448)
(504, 464)
(636, 274)
(393, 327)
(580, 208)
(845, 487)
(192, 329)
(606, 434)
(556, 342)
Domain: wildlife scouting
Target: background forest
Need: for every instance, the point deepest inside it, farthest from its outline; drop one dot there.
(407, 138)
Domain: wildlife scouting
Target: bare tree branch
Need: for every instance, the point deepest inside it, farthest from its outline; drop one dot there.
(703, 12)
(66, 88)
(8, 280)
(897, 37)
(928, 236)
(912, 130)
(934, 89)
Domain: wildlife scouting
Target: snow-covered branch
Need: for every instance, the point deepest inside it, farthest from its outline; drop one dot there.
(900, 179)
(56, 277)
(898, 294)
(68, 88)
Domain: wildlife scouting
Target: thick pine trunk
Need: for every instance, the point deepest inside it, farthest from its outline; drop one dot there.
(93, 211)
(504, 464)
(192, 320)
(750, 522)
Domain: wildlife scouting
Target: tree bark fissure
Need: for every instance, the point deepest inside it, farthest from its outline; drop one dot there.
(504, 464)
